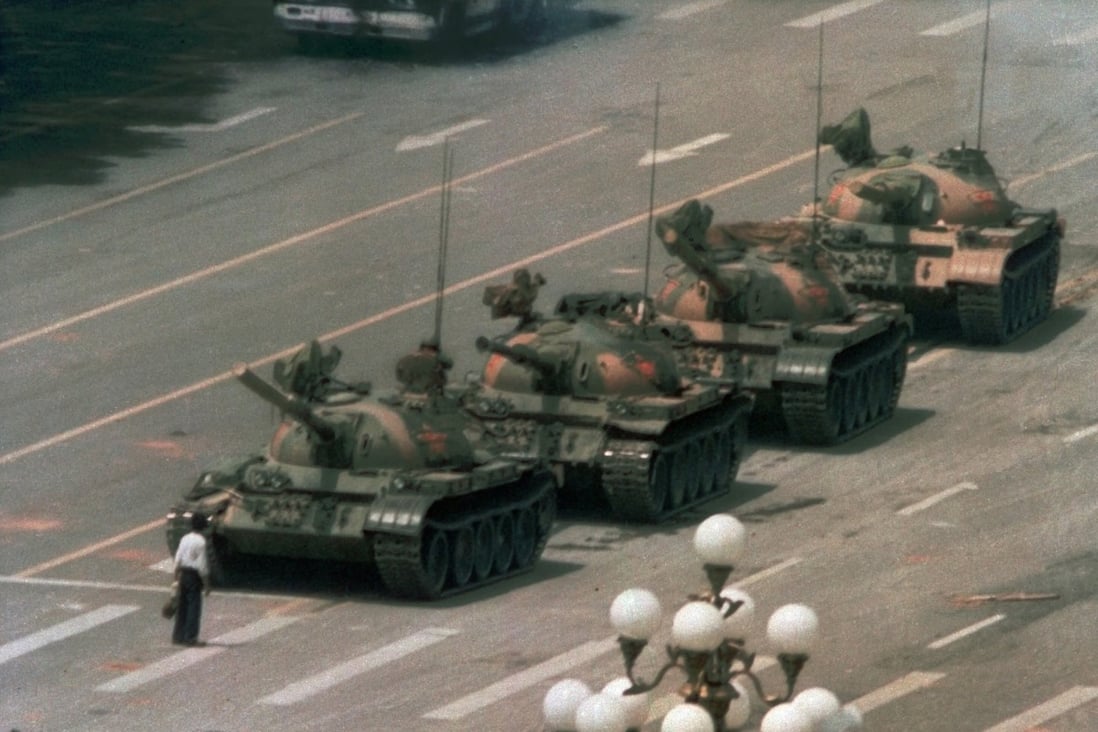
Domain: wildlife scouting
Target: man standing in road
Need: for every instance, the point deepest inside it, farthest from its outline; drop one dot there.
(192, 572)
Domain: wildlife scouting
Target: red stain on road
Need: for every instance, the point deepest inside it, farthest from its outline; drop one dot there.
(136, 555)
(917, 559)
(121, 665)
(27, 524)
(167, 448)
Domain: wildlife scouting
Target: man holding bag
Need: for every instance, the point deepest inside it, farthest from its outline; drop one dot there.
(192, 572)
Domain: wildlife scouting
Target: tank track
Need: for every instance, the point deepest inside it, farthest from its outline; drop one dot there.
(481, 544)
(992, 315)
(652, 480)
(862, 391)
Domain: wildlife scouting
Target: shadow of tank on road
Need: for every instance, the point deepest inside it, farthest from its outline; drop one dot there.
(76, 76)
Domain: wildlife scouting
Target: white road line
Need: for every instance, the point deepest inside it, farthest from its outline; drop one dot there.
(79, 624)
(833, 13)
(212, 127)
(957, 24)
(963, 632)
(761, 575)
(1060, 166)
(506, 269)
(688, 9)
(902, 686)
(1079, 38)
(936, 498)
(91, 549)
(1081, 434)
(415, 142)
(681, 151)
(189, 657)
(162, 589)
(180, 177)
(1075, 697)
(524, 679)
(338, 674)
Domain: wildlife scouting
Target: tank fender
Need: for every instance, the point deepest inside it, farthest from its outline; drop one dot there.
(804, 364)
(398, 513)
(978, 266)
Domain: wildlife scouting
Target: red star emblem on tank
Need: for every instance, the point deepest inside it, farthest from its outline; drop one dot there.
(836, 193)
(668, 288)
(434, 441)
(644, 367)
(817, 293)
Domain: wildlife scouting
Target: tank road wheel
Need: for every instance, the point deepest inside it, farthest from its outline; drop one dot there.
(862, 387)
(462, 555)
(693, 472)
(676, 485)
(1050, 271)
(434, 563)
(880, 388)
(710, 463)
(834, 403)
(504, 553)
(724, 447)
(484, 548)
(526, 536)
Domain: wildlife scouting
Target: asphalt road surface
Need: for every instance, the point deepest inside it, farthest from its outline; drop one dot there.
(208, 194)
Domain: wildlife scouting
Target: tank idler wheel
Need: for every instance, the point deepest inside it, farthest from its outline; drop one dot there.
(880, 388)
(526, 536)
(504, 553)
(434, 562)
(484, 548)
(833, 411)
(862, 386)
(693, 472)
(462, 555)
(547, 514)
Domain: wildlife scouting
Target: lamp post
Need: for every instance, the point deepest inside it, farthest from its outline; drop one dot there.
(708, 646)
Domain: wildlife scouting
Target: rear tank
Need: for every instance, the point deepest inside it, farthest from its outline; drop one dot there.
(405, 482)
(603, 400)
(939, 234)
(827, 364)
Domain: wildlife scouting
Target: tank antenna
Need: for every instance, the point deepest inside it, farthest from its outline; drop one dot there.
(983, 74)
(651, 192)
(819, 118)
(443, 235)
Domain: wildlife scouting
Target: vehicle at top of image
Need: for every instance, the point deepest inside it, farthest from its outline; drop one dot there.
(938, 233)
(408, 20)
(828, 364)
(403, 481)
(603, 401)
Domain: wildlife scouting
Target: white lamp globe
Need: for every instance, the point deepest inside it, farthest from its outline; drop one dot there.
(687, 718)
(739, 710)
(601, 713)
(739, 624)
(636, 614)
(817, 704)
(720, 540)
(636, 705)
(698, 626)
(785, 718)
(792, 629)
(561, 702)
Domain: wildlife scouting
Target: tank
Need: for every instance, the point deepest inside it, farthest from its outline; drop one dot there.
(939, 234)
(826, 364)
(407, 482)
(603, 400)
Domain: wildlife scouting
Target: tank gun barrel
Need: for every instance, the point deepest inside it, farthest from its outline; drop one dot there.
(295, 408)
(521, 355)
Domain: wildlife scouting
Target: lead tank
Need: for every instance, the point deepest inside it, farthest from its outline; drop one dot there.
(827, 364)
(407, 482)
(603, 401)
(938, 233)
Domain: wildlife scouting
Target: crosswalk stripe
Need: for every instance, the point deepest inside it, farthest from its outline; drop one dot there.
(833, 13)
(1051, 709)
(900, 687)
(189, 657)
(965, 632)
(338, 674)
(513, 684)
(72, 627)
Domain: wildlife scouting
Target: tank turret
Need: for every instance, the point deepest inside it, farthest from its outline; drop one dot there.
(409, 482)
(761, 296)
(938, 233)
(602, 399)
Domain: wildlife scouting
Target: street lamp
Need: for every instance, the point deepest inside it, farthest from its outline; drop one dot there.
(708, 646)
